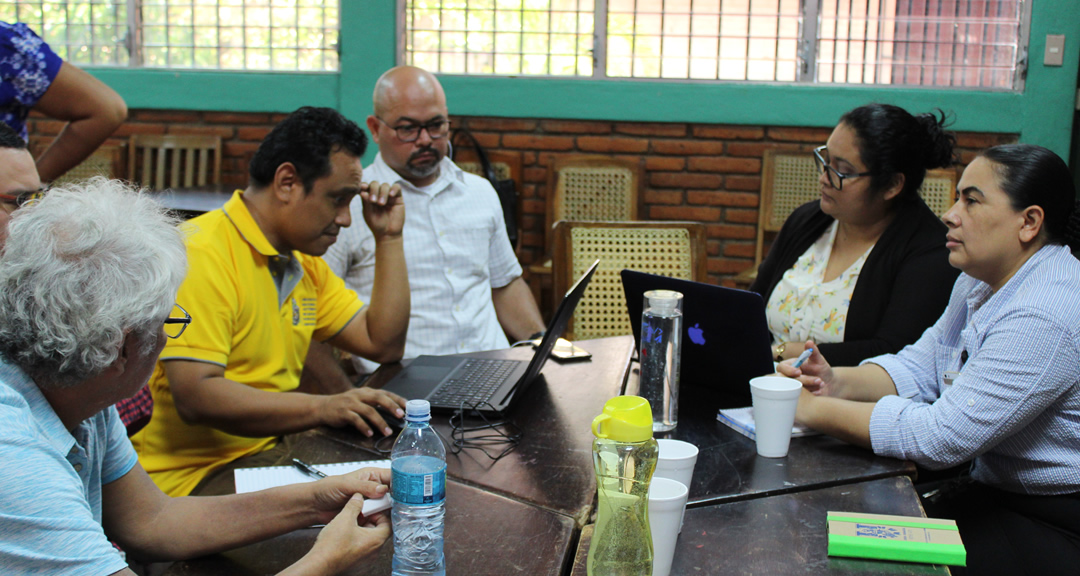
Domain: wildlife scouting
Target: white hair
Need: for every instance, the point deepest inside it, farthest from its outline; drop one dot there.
(82, 268)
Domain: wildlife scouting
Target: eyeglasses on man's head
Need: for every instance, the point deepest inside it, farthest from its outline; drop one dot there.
(410, 132)
(835, 177)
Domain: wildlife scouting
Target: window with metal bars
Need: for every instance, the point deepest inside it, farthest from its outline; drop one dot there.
(977, 44)
(298, 35)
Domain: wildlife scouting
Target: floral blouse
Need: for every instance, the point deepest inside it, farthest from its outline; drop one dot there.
(27, 69)
(803, 307)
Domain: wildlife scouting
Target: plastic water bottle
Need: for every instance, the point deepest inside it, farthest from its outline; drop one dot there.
(418, 485)
(624, 454)
(661, 350)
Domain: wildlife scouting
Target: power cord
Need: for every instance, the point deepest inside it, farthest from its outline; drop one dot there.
(471, 427)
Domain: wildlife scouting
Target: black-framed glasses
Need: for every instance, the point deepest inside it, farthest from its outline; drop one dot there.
(23, 198)
(177, 322)
(835, 177)
(410, 132)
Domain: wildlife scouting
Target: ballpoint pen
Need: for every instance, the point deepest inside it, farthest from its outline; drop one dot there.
(307, 468)
(802, 357)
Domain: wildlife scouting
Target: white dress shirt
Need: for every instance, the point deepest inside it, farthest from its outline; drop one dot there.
(456, 252)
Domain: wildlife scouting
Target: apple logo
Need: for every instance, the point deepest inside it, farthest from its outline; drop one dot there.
(697, 335)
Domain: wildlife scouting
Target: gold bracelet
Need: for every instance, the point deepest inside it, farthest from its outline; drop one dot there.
(779, 352)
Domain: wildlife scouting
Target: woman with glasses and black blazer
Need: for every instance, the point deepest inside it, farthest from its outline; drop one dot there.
(864, 270)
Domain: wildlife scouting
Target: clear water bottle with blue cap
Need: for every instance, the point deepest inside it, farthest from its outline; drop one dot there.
(418, 487)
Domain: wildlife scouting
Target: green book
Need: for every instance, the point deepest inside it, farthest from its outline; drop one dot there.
(900, 538)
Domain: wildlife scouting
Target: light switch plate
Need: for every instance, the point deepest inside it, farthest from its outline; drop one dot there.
(1055, 50)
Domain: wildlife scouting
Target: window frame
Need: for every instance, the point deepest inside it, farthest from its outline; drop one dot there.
(806, 70)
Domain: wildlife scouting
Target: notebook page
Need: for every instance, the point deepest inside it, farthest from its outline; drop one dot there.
(741, 420)
(254, 479)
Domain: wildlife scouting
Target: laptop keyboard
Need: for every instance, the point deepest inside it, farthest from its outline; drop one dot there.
(476, 381)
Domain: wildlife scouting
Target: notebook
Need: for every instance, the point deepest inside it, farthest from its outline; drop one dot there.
(263, 477)
(725, 342)
(448, 382)
(741, 420)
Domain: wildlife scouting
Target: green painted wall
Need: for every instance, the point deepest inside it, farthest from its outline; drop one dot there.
(1042, 114)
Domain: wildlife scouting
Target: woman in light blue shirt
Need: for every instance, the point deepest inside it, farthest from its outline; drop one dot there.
(995, 380)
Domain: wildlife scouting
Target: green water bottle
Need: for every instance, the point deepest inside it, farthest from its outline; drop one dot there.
(624, 454)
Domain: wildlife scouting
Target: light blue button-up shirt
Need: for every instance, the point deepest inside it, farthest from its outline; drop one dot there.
(50, 495)
(1015, 406)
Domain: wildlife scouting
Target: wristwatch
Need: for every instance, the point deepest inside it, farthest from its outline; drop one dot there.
(778, 352)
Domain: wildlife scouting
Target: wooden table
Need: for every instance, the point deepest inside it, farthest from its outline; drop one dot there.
(485, 534)
(728, 467)
(522, 513)
(552, 465)
(785, 534)
(519, 515)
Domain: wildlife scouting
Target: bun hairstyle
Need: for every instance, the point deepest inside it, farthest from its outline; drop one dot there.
(892, 141)
(1034, 176)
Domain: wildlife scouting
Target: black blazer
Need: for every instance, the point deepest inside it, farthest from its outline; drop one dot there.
(903, 288)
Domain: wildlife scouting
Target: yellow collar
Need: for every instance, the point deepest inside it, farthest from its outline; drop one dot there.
(237, 212)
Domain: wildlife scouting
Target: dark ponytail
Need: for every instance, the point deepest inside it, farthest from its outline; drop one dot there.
(1034, 176)
(892, 141)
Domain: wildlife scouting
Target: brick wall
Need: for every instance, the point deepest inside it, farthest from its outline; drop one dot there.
(702, 172)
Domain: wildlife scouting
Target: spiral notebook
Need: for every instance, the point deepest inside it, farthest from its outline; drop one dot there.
(255, 479)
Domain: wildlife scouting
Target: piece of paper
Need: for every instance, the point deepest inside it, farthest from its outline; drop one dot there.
(741, 420)
(255, 479)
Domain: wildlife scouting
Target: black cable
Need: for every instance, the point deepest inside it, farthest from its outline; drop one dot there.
(483, 432)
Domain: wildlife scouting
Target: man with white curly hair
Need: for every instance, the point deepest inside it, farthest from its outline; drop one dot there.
(88, 281)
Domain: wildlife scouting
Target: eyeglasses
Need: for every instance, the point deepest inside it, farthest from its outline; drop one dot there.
(836, 179)
(177, 322)
(410, 132)
(23, 198)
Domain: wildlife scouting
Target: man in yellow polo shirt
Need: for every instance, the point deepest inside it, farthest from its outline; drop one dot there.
(259, 293)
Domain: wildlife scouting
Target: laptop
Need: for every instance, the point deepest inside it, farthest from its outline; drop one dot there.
(450, 382)
(725, 340)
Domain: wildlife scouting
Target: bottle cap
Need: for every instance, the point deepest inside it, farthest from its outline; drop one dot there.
(663, 301)
(625, 419)
(418, 410)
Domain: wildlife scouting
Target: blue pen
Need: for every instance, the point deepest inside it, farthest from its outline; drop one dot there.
(802, 357)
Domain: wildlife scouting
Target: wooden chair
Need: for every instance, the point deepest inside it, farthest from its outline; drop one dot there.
(174, 161)
(107, 161)
(507, 166)
(938, 189)
(585, 188)
(789, 179)
(675, 249)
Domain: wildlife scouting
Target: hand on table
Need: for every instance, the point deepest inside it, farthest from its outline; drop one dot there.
(356, 408)
(815, 374)
(384, 208)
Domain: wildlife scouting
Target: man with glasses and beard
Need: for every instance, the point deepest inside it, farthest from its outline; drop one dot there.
(467, 290)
